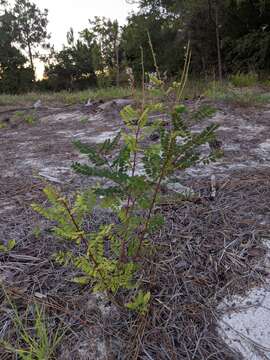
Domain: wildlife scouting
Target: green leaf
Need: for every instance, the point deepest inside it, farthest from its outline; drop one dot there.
(156, 222)
(6, 248)
(82, 280)
(180, 109)
(84, 203)
(109, 191)
(122, 161)
(205, 111)
(129, 116)
(90, 152)
(155, 80)
(102, 173)
(153, 161)
(144, 118)
(140, 303)
(109, 145)
(11, 244)
(130, 142)
(3, 248)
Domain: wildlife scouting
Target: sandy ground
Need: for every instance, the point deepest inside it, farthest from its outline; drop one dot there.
(31, 154)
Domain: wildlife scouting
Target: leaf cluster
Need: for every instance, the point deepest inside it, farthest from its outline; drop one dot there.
(129, 172)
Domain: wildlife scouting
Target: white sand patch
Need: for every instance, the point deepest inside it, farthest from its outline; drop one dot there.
(55, 174)
(220, 167)
(265, 146)
(62, 117)
(6, 207)
(100, 138)
(87, 136)
(245, 327)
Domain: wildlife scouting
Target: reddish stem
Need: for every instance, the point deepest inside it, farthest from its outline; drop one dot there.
(123, 254)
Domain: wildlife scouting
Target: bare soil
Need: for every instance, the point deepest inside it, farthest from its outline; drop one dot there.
(211, 248)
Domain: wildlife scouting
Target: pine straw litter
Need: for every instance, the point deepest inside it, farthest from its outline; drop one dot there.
(209, 249)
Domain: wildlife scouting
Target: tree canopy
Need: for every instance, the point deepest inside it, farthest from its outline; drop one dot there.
(226, 36)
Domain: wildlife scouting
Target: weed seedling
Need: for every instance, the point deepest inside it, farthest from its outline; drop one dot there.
(35, 342)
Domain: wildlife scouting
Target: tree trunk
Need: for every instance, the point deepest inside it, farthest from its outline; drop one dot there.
(218, 41)
(117, 66)
(204, 67)
(31, 58)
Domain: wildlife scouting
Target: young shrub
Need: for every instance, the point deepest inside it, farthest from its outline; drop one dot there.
(135, 171)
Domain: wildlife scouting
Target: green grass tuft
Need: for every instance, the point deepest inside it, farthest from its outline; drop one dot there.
(244, 80)
(239, 97)
(35, 338)
(64, 97)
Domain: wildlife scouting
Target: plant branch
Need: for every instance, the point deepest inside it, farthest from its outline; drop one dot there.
(156, 192)
(84, 240)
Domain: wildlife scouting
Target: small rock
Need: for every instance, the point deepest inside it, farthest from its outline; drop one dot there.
(37, 104)
(89, 103)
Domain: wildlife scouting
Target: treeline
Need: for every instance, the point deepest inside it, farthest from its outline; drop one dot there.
(226, 36)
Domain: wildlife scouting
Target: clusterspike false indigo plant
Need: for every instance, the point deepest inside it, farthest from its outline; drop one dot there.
(135, 170)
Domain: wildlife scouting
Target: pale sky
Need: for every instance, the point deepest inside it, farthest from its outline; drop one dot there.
(64, 14)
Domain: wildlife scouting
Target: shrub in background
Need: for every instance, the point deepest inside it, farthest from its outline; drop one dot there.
(244, 80)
